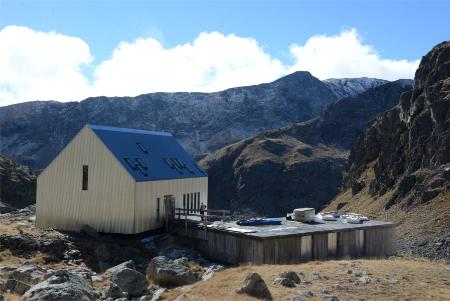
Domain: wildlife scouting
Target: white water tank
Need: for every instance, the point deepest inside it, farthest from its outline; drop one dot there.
(304, 215)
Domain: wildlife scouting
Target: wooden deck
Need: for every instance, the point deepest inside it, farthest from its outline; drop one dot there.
(290, 242)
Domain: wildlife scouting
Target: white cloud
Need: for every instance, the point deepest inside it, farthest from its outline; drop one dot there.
(37, 65)
(211, 62)
(345, 55)
(46, 65)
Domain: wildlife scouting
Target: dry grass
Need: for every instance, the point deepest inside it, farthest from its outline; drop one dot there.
(11, 297)
(392, 279)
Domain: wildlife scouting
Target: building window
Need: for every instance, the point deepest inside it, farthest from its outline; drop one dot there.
(158, 208)
(85, 177)
(184, 201)
(192, 201)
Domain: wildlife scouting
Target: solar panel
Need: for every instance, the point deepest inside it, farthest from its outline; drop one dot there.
(171, 165)
(177, 164)
(180, 163)
(141, 163)
(142, 170)
(132, 165)
(142, 147)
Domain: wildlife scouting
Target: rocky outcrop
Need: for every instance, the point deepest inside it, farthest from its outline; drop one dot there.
(297, 166)
(166, 272)
(34, 132)
(18, 185)
(400, 165)
(255, 286)
(413, 137)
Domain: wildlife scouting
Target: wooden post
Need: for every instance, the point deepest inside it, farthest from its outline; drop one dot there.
(185, 220)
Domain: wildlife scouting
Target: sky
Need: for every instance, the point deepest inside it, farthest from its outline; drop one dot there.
(71, 50)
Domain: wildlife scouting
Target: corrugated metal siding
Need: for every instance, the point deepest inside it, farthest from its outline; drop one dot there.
(148, 192)
(107, 205)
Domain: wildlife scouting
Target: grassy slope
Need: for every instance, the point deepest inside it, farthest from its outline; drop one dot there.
(390, 279)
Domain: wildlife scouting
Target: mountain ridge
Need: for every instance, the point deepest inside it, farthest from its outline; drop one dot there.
(33, 133)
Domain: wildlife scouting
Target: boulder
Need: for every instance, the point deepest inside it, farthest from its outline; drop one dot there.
(21, 279)
(127, 264)
(284, 282)
(255, 286)
(130, 281)
(63, 285)
(166, 272)
(54, 247)
(114, 291)
(290, 275)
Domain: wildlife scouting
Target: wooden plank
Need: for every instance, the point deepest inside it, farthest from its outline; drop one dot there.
(306, 247)
(332, 245)
(320, 246)
(379, 242)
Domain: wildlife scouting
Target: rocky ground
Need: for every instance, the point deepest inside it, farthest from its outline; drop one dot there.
(40, 264)
(48, 264)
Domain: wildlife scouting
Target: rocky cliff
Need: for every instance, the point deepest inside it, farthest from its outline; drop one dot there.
(17, 185)
(399, 167)
(296, 166)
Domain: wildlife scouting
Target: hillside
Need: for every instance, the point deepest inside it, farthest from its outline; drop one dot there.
(17, 185)
(296, 166)
(399, 168)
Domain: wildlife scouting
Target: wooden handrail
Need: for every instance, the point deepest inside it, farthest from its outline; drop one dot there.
(182, 210)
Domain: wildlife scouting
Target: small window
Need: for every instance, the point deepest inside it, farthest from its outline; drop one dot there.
(85, 177)
(184, 201)
(142, 147)
(158, 208)
(192, 201)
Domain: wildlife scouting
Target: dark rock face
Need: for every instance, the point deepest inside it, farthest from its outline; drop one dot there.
(18, 185)
(297, 166)
(34, 132)
(409, 146)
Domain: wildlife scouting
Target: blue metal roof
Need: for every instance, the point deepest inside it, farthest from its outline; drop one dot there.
(148, 155)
